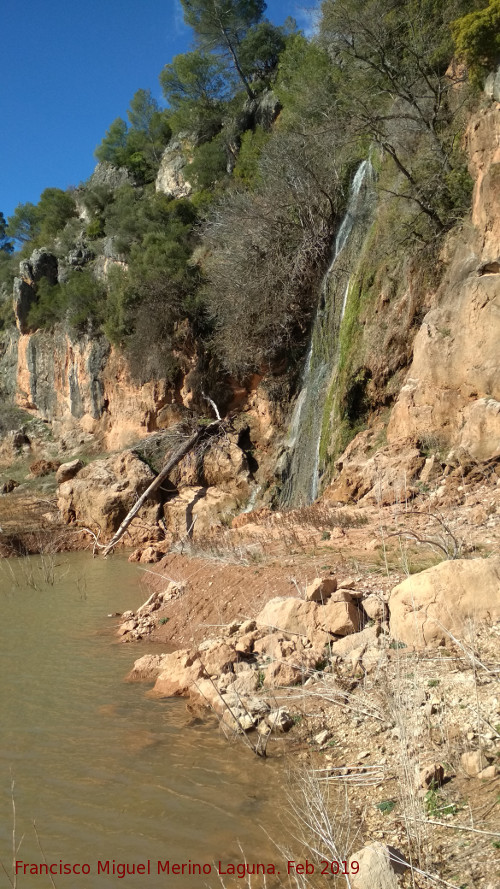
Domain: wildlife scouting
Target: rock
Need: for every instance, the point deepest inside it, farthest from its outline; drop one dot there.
(105, 174)
(247, 627)
(488, 773)
(432, 470)
(180, 670)
(282, 675)
(289, 615)
(322, 737)
(341, 596)
(246, 683)
(320, 589)
(339, 618)
(79, 256)
(380, 479)
(218, 658)
(268, 108)
(350, 583)
(68, 471)
(379, 866)
(243, 714)
(147, 667)
(222, 465)
(447, 392)
(344, 647)
(431, 776)
(170, 178)
(150, 555)
(443, 598)
(279, 720)
(103, 493)
(205, 692)
(245, 644)
(8, 486)
(273, 645)
(492, 85)
(375, 608)
(126, 627)
(211, 508)
(473, 762)
(23, 297)
(41, 264)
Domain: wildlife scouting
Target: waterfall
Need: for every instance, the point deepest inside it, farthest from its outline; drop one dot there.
(252, 500)
(344, 301)
(303, 441)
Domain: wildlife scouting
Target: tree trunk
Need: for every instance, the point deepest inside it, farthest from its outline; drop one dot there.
(174, 460)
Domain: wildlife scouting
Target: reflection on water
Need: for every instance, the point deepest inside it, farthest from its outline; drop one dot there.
(106, 773)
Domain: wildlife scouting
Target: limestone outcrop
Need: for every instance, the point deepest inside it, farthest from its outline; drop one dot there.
(452, 390)
(41, 264)
(102, 494)
(425, 608)
(170, 178)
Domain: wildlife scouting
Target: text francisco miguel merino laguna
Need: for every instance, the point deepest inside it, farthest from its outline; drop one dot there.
(121, 869)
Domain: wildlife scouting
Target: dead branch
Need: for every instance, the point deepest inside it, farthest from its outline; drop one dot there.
(201, 433)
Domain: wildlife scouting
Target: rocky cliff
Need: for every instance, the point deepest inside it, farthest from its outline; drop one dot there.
(424, 375)
(452, 390)
(425, 379)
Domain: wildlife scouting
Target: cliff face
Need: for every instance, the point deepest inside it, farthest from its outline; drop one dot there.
(441, 374)
(83, 387)
(452, 390)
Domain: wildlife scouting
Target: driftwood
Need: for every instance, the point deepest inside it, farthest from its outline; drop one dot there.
(201, 433)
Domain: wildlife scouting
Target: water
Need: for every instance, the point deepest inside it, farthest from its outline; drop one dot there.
(105, 772)
(304, 437)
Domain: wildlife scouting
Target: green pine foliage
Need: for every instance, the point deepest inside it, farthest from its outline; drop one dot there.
(76, 302)
(477, 39)
(138, 145)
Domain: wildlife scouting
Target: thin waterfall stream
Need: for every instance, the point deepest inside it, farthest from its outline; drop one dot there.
(304, 434)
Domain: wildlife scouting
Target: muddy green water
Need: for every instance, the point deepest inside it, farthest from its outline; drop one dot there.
(105, 772)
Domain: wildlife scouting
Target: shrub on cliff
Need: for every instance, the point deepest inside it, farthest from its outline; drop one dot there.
(137, 145)
(477, 39)
(77, 302)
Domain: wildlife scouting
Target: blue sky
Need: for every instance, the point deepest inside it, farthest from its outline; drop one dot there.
(69, 69)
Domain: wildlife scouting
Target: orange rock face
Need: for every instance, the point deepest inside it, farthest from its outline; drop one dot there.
(452, 390)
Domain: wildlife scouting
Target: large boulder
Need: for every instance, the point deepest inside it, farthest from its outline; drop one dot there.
(427, 605)
(105, 491)
(289, 615)
(68, 471)
(180, 671)
(382, 478)
(320, 589)
(147, 668)
(41, 264)
(225, 465)
(24, 295)
(379, 867)
(198, 511)
(170, 179)
(340, 616)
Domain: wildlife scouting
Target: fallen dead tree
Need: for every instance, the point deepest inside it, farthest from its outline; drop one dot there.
(201, 435)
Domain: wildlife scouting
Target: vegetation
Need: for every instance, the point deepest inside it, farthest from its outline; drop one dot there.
(238, 263)
(137, 145)
(477, 38)
(6, 245)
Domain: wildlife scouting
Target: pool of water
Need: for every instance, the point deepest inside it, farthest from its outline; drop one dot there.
(104, 772)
